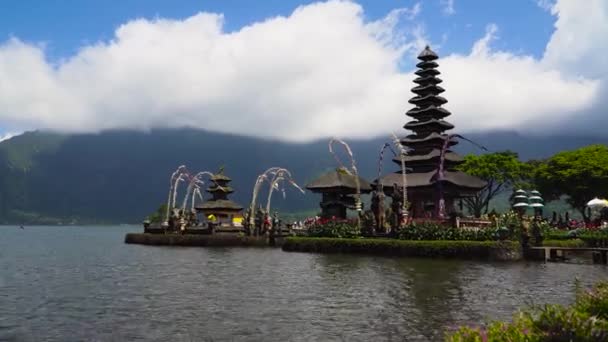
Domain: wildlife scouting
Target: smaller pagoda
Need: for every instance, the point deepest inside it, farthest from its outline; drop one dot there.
(338, 188)
(219, 205)
(520, 201)
(536, 202)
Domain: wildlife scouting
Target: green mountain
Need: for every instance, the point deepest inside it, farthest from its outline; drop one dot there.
(121, 176)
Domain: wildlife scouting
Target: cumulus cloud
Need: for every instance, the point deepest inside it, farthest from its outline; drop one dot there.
(545, 4)
(491, 89)
(321, 71)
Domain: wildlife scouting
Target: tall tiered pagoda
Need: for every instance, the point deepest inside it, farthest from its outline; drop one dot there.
(219, 205)
(424, 148)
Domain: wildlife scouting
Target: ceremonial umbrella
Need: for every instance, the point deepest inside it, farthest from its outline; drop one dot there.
(597, 203)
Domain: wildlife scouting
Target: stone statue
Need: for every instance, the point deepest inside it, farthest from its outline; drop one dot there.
(388, 215)
(378, 209)
(397, 207)
(259, 220)
(275, 222)
(246, 218)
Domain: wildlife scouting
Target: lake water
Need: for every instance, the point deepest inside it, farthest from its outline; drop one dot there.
(85, 284)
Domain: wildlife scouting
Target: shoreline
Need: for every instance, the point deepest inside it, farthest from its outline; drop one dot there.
(196, 240)
(472, 250)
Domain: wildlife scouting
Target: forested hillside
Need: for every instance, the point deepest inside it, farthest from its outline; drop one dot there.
(121, 176)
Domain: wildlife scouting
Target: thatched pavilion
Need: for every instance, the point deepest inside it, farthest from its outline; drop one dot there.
(338, 188)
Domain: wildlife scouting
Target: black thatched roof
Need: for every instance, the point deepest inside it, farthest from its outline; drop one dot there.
(225, 189)
(428, 88)
(433, 136)
(423, 179)
(427, 72)
(432, 98)
(415, 124)
(427, 54)
(427, 80)
(220, 177)
(431, 111)
(435, 153)
(338, 181)
(219, 205)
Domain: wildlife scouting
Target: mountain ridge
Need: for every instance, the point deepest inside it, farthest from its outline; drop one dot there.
(121, 176)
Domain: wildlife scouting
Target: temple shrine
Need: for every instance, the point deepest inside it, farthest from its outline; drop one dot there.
(428, 149)
(223, 209)
(338, 188)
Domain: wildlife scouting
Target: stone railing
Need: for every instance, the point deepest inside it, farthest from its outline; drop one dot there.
(472, 223)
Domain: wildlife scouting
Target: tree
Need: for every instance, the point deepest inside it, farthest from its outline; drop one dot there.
(580, 174)
(159, 215)
(499, 169)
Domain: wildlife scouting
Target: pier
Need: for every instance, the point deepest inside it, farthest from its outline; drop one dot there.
(551, 253)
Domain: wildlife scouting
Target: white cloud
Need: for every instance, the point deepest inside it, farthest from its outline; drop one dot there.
(547, 5)
(491, 89)
(578, 45)
(7, 135)
(447, 7)
(319, 72)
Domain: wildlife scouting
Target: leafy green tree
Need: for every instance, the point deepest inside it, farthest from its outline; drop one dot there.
(159, 215)
(580, 174)
(500, 170)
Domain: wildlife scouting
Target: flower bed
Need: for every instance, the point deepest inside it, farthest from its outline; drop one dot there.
(432, 231)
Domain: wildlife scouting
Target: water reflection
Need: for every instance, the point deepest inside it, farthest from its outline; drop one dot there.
(63, 284)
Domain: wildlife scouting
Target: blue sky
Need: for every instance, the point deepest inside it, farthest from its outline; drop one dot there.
(64, 25)
(329, 68)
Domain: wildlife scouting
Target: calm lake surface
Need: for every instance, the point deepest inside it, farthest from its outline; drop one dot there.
(85, 284)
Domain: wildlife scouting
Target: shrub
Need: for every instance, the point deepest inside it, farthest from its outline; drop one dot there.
(334, 228)
(464, 249)
(585, 320)
(591, 238)
(598, 238)
(564, 243)
(193, 240)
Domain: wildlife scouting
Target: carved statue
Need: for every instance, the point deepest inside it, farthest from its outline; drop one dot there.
(246, 218)
(259, 220)
(378, 209)
(397, 207)
(275, 221)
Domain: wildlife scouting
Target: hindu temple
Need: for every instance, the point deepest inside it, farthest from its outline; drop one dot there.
(338, 188)
(429, 149)
(222, 208)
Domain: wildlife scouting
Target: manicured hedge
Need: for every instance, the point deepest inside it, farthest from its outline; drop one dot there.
(506, 250)
(194, 240)
(564, 243)
(597, 238)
